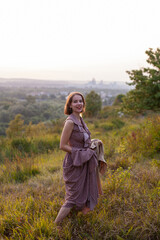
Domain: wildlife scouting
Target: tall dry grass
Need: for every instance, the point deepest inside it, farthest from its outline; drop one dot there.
(129, 208)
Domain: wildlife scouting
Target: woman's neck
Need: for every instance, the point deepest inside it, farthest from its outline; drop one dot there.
(77, 115)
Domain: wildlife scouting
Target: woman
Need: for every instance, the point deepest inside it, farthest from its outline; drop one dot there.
(80, 163)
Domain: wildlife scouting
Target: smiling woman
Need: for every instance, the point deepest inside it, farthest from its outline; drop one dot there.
(74, 101)
(80, 163)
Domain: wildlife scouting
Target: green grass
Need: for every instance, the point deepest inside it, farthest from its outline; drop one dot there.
(32, 189)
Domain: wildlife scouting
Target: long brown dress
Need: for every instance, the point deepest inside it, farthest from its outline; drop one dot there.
(79, 169)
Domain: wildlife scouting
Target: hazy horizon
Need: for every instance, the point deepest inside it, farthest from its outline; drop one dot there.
(61, 81)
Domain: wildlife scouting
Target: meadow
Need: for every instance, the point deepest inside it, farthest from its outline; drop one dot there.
(32, 188)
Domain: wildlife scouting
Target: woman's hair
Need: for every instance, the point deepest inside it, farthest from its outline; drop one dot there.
(67, 109)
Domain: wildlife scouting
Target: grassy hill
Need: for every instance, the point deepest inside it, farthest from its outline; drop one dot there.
(32, 188)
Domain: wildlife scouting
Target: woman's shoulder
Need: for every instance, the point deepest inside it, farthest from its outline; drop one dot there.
(69, 121)
(69, 124)
(72, 118)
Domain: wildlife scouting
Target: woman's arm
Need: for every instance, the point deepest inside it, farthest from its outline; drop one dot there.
(66, 133)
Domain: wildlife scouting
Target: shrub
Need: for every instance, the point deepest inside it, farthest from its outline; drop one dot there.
(22, 144)
(21, 175)
(107, 126)
(109, 111)
(19, 170)
(54, 169)
(118, 100)
(10, 153)
(47, 144)
(145, 140)
(120, 162)
(96, 124)
(16, 127)
(1, 158)
(118, 123)
(37, 145)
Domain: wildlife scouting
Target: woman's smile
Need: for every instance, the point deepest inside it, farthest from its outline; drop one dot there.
(80, 107)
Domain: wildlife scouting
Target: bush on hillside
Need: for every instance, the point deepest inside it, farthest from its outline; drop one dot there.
(118, 100)
(22, 144)
(46, 145)
(107, 126)
(117, 123)
(145, 140)
(16, 127)
(109, 111)
(114, 124)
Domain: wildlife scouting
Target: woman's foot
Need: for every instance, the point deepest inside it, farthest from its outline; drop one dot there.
(63, 212)
(85, 210)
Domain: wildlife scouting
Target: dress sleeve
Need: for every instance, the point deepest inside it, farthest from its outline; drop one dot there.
(81, 156)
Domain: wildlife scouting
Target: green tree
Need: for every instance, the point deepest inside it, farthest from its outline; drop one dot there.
(93, 104)
(31, 99)
(16, 127)
(119, 99)
(4, 116)
(146, 94)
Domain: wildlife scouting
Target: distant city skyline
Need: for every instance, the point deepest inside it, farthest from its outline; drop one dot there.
(76, 39)
(63, 84)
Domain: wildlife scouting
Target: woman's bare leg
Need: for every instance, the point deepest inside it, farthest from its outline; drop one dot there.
(85, 210)
(63, 212)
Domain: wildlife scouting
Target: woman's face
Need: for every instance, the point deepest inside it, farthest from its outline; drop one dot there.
(77, 104)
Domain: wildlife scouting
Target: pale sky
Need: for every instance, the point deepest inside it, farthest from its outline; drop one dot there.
(76, 39)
